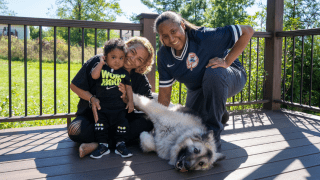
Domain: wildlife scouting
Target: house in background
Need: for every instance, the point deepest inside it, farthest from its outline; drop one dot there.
(16, 30)
(126, 34)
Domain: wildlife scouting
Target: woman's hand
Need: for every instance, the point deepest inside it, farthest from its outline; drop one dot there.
(217, 62)
(130, 107)
(122, 88)
(102, 60)
(95, 103)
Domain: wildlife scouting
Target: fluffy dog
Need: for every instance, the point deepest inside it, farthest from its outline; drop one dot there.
(179, 136)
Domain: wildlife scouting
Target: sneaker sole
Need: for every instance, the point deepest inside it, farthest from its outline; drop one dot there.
(124, 156)
(98, 157)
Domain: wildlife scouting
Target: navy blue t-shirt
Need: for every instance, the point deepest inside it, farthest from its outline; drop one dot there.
(201, 45)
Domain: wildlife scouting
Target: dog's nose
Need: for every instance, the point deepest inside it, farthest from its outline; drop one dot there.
(187, 164)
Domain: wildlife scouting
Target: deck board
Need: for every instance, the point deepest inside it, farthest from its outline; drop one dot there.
(259, 144)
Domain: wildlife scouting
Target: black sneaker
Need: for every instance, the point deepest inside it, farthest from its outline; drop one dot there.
(122, 150)
(100, 151)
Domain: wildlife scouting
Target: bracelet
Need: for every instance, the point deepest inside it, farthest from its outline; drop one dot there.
(90, 99)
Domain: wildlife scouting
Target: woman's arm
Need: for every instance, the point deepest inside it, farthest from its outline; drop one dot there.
(164, 95)
(97, 70)
(86, 95)
(238, 48)
(130, 105)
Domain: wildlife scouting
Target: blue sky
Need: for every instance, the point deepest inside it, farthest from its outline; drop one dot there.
(39, 8)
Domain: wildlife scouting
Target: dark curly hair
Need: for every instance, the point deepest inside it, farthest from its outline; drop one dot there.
(114, 44)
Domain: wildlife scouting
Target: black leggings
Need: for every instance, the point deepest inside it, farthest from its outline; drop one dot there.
(81, 129)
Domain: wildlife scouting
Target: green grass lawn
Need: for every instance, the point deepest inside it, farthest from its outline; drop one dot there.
(18, 97)
(33, 90)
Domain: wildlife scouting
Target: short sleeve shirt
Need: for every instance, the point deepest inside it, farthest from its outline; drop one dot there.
(201, 45)
(107, 87)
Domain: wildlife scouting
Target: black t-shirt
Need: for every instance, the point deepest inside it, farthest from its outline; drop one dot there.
(107, 88)
(84, 81)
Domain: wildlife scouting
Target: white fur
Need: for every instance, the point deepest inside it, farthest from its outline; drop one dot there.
(173, 130)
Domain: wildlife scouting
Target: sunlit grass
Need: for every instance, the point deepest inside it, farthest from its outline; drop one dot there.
(33, 91)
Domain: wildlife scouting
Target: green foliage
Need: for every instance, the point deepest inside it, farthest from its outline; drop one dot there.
(301, 14)
(4, 11)
(193, 11)
(90, 10)
(163, 5)
(226, 12)
(17, 50)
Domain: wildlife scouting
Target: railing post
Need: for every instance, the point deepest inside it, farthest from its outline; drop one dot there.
(147, 19)
(273, 54)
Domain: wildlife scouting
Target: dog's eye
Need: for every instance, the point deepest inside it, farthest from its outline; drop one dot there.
(200, 163)
(197, 151)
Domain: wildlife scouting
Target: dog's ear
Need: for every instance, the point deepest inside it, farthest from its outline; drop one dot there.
(208, 136)
(218, 157)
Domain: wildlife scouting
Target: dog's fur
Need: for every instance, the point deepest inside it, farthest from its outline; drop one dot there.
(179, 136)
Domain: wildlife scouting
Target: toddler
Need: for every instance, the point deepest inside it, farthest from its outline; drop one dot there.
(108, 74)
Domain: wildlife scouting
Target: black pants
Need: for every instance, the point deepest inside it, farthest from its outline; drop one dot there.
(85, 128)
(111, 122)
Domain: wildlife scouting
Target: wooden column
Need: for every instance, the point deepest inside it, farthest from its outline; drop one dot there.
(147, 20)
(273, 54)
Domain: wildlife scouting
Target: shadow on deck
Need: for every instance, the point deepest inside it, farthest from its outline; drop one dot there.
(259, 144)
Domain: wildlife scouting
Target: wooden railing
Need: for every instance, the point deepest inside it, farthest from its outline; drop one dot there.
(145, 28)
(272, 58)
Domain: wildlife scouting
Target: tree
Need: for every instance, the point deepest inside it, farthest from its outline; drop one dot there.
(193, 11)
(226, 12)
(4, 9)
(163, 5)
(90, 10)
(301, 14)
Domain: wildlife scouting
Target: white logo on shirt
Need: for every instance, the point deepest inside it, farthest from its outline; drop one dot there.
(192, 61)
(168, 65)
(110, 87)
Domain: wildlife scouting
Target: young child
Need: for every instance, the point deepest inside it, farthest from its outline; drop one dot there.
(109, 73)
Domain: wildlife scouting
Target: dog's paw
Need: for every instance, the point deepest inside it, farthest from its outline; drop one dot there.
(147, 142)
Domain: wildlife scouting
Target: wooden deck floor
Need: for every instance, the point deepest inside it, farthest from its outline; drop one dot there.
(258, 144)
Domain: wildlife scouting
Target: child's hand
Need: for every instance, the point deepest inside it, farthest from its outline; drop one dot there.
(130, 107)
(102, 60)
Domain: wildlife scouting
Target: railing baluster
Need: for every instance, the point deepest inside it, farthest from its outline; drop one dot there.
(249, 70)
(25, 72)
(55, 68)
(180, 92)
(292, 75)
(310, 93)
(82, 46)
(40, 67)
(257, 69)
(301, 83)
(9, 69)
(244, 68)
(132, 33)
(95, 41)
(108, 34)
(69, 79)
(120, 33)
(284, 69)
(69, 67)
